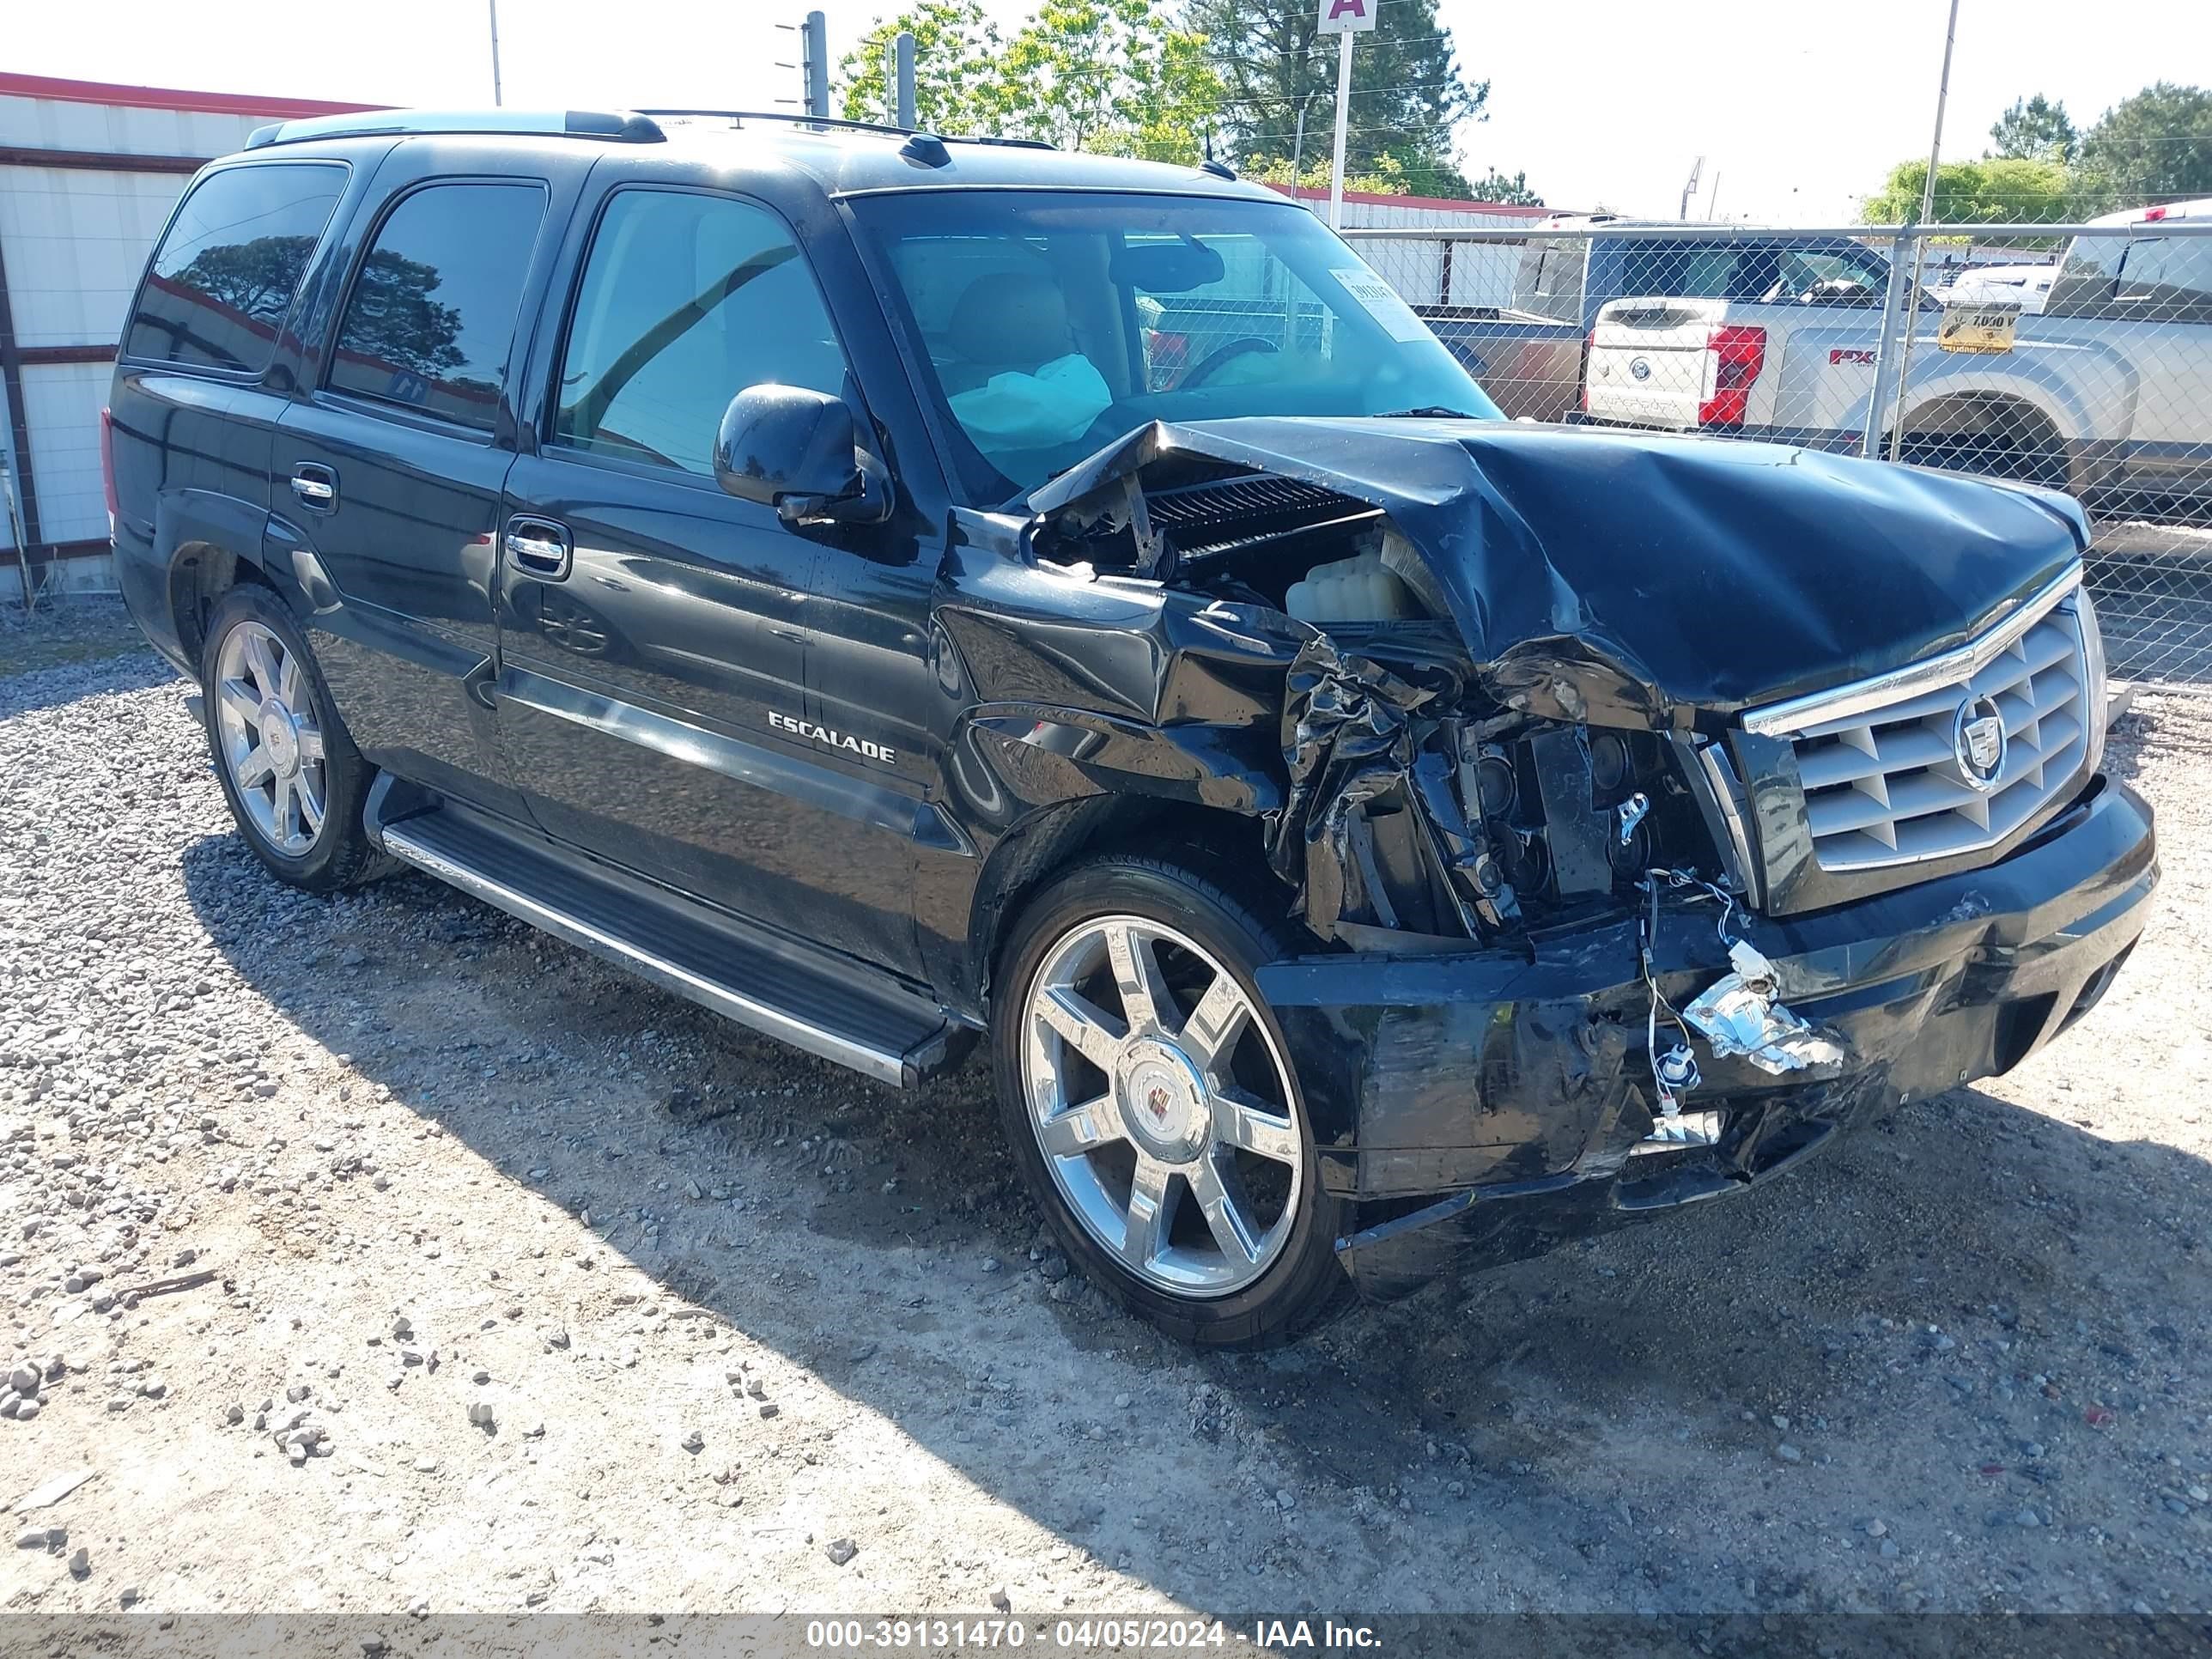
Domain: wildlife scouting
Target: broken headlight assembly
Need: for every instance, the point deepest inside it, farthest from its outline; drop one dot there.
(1577, 814)
(1414, 825)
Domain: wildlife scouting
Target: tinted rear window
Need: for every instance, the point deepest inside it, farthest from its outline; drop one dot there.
(432, 313)
(1691, 270)
(224, 276)
(1550, 280)
(2168, 279)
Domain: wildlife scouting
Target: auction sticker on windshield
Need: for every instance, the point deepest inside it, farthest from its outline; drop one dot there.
(1382, 303)
(1979, 327)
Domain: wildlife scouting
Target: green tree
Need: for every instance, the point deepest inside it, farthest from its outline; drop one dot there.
(1388, 178)
(2153, 146)
(1408, 91)
(2034, 129)
(957, 79)
(392, 318)
(255, 278)
(1495, 186)
(2000, 191)
(1108, 76)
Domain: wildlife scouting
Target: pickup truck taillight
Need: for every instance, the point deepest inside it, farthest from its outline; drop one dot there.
(1739, 353)
(1589, 349)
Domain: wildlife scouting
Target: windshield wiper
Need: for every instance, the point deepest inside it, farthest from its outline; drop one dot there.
(1428, 412)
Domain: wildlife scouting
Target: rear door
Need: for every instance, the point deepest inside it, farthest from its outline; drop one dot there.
(654, 630)
(388, 471)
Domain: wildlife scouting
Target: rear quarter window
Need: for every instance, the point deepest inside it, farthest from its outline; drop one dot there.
(222, 280)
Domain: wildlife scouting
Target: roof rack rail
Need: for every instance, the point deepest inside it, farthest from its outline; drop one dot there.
(796, 118)
(994, 138)
(616, 126)
(793, 116)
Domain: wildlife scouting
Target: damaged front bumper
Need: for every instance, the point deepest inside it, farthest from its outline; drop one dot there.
(1495, 1105)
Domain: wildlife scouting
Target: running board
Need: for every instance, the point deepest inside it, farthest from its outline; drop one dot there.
(832, 1008)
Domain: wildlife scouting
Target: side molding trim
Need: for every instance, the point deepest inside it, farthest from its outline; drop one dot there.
(763, 768)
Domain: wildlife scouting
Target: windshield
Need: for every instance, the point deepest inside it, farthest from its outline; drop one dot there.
(1051, 323)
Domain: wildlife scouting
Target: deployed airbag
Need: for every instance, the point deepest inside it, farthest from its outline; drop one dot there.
(1018, 410)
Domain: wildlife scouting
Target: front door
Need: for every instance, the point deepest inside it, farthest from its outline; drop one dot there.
(654, 630)
(389, 473)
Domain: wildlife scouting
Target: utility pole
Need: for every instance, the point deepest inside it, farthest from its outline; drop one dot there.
(1690, 187)
(1920, 242)
(1298, 146)
(1343, 112)
(1344, 19)
(814, 63)
(496, 99)
(898, 80)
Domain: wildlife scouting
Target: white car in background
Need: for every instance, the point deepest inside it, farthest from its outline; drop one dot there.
(2024, 286)
(2105, 390)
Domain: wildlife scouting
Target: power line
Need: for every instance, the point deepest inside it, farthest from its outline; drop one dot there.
(1330, 96)
(1316, 53)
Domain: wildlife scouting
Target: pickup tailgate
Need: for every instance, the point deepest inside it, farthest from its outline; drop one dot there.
(1652, 361)
(1677, 362)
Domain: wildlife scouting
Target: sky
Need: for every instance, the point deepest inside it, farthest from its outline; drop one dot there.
(1798, 110)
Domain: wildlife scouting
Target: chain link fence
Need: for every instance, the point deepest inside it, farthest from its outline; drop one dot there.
(2078, 356)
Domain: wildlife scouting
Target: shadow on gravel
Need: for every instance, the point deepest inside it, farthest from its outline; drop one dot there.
(1567, 1412)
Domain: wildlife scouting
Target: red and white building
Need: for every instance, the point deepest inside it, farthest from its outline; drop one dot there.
(88, 173)
(1443, 271)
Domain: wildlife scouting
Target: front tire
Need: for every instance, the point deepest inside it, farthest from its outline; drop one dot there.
(1152, 1108)
(293, 781)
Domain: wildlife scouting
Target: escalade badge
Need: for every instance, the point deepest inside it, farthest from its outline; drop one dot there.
(1978, 739)
(828, 738)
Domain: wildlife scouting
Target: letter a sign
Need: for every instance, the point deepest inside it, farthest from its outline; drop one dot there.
(1347, 16)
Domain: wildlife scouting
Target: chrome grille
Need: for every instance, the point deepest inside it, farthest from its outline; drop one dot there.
(1886, 780)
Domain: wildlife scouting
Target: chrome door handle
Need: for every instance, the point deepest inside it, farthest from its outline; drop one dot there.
(539, 546)
(315, 486)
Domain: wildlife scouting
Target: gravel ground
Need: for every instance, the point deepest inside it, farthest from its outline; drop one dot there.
(380, 1255)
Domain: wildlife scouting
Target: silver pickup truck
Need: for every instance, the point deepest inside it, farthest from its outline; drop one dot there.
(1527, 355)
(2108, 393)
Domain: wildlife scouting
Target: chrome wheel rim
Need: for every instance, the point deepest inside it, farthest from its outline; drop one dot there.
(268, 738)
(1162, 1105)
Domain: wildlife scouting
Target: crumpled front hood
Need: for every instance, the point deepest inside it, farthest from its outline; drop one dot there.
(1651, 575)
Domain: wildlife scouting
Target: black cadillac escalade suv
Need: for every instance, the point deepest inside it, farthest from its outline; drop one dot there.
(900, 591)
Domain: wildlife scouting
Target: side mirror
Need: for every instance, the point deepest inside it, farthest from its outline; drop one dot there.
(800, 453)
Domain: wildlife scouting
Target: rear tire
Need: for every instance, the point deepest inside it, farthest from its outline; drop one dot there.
(1153, 1110)
(293, 779)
